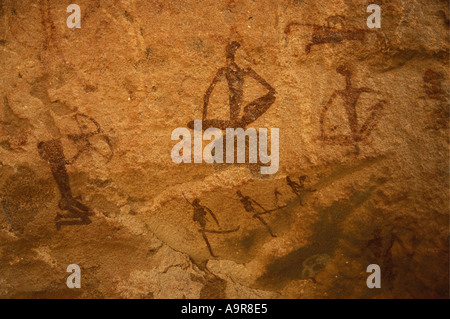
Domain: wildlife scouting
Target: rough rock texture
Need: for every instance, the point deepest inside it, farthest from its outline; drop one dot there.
(86, 176)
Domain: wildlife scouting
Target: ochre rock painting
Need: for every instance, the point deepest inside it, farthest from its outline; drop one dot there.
(352, 118)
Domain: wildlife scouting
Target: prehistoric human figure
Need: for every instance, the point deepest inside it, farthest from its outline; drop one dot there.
(322, 34)
(52, 151)
(235, 76)
(248, 202)
(299, 188)
(350, 96)
(200, 217)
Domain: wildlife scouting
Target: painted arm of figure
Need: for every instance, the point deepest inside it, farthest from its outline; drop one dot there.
(295, 187)
(366, 90)
(259, 106)
(371, 120)
(251, 73)
(80, 151)
(187, 200)
(75, 137)
(83, 137)
(212, 214)
(369, 90)
(256, 203)
(336, 19)
(209, 91)
(324, 113)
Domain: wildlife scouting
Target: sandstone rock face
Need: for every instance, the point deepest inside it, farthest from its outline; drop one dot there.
(87, 178)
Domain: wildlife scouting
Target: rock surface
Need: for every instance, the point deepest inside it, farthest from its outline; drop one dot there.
(86, 117)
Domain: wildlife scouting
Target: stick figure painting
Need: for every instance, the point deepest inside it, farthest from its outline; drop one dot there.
(201, 217)
(359, 130)
(235, 77)
(52, 151)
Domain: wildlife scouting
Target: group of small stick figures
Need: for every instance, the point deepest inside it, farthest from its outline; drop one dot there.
(250, 205)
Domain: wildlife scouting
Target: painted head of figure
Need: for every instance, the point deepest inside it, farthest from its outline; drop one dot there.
(344, 70)
(41, 150)
(231, 50)
(347, 72)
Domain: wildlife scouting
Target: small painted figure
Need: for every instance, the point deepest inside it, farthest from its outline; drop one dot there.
(235, 76)
(299, 188)
(200, 216)
(248, 203)
(350, 96)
